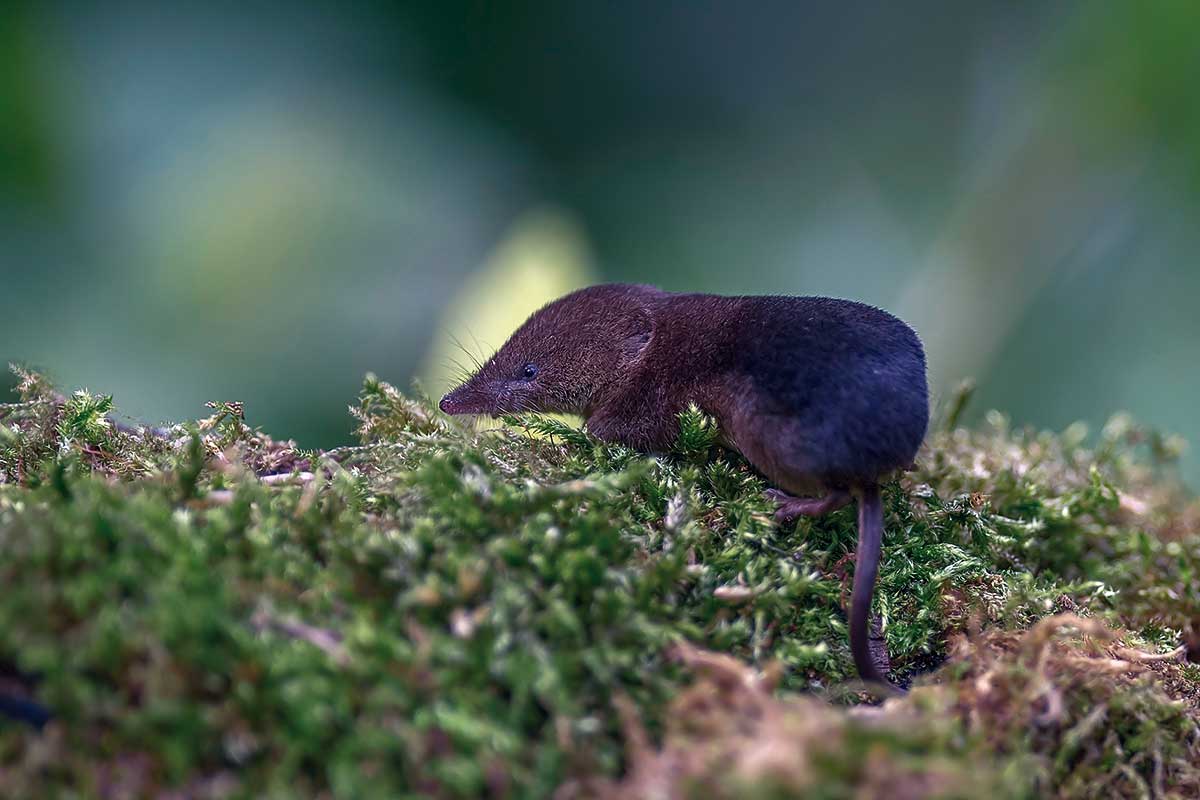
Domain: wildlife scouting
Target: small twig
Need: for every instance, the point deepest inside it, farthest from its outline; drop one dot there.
(734, 594)
(328, 641)
(285, 477)
(1130, 654)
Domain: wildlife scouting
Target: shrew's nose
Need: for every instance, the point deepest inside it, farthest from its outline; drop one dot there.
(445, 404)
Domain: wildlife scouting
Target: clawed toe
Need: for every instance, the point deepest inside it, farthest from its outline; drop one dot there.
(787, 508)
(784, 515)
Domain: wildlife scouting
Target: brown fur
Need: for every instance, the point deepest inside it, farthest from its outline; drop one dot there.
(818, 394)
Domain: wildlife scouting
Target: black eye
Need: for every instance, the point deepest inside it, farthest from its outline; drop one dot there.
(528, 371)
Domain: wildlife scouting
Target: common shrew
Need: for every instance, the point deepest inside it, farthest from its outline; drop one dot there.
(824, 397)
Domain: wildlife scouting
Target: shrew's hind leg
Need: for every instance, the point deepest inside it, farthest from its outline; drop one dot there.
(792, 507)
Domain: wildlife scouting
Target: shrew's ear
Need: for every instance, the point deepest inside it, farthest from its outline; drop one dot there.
(637, 338)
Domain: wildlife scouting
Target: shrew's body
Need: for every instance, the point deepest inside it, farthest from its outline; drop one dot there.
(823, 396)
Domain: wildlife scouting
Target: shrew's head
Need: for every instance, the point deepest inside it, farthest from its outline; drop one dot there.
(566, 357)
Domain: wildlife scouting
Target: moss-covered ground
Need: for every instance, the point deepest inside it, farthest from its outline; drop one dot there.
(526, 611)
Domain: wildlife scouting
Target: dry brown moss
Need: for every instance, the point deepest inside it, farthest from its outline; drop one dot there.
(1065, 710)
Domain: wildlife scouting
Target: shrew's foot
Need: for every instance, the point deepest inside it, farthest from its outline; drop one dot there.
(792, 507)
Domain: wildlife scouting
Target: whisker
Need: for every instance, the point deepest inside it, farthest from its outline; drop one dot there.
(474, 339)
(458, 371)
(469, 354)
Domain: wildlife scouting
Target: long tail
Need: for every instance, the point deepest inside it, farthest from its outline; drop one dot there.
(866, 567)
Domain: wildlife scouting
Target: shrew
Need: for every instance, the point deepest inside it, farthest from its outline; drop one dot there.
(825, 397)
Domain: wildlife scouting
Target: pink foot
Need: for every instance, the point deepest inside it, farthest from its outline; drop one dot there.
(792, 507)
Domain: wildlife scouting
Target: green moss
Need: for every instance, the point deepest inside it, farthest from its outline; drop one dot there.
(441, 610)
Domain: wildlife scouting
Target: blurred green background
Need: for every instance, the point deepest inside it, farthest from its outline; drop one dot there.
(263, 201)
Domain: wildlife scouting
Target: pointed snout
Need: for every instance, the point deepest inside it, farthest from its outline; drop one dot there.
(450, 404)
(466, 399)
